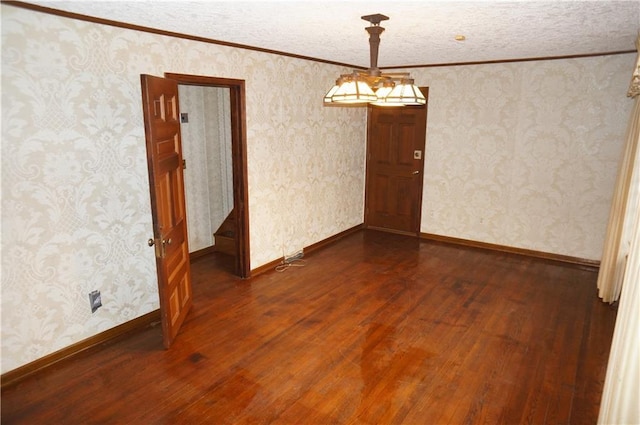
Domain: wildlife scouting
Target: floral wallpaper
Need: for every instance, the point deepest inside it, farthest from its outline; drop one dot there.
(525, 154)
(75, 191)
(206, 148)
(521, 154)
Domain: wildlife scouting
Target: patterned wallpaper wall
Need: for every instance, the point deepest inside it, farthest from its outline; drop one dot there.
(217, 106)
(206, 148)
(525, 154)
(75, 192)
(521, 154)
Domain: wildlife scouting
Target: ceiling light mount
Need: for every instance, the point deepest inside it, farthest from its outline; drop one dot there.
(375, 19)
(358, 87)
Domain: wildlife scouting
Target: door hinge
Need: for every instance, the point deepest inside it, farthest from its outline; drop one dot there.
(184, 164)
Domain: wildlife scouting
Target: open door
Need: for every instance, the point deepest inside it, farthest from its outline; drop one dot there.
(164, 158)
(395, 161)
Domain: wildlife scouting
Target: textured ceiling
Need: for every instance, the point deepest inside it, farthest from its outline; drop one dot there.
(417, 33)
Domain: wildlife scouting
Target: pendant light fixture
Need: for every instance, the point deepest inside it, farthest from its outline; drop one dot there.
(372, 86)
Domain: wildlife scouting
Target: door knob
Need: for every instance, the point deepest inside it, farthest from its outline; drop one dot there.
(416, 172)
(151, 242)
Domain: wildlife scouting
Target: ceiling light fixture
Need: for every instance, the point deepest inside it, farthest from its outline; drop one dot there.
(372, 86)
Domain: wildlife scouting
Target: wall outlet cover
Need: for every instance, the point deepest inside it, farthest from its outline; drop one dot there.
(95, 300)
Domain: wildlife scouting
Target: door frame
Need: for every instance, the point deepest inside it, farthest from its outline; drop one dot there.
(425, 92)
(239, 160)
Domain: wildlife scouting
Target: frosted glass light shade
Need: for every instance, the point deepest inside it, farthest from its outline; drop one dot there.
(406, 94)
(354, 92)
(381, 94)
(327, 97)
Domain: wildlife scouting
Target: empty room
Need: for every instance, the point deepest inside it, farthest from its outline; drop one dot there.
(371, 212)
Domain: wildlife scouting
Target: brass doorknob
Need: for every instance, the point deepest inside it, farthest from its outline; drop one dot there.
(151, 242)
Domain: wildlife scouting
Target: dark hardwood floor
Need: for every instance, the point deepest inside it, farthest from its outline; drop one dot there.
(374, 329)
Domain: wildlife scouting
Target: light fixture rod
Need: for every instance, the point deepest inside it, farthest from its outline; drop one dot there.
(374, 40)
(374, 44)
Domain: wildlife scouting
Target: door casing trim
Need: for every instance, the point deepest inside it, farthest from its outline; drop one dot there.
(239, 160)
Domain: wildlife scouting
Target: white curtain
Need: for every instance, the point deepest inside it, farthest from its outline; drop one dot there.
(624, 209)
(621, 394)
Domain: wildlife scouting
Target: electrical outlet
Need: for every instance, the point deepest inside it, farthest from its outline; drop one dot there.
(95, 300)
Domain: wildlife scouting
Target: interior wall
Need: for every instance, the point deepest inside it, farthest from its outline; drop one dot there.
(525, 154)
(196, 174)
(75, 193)
(217, 108)
(521, 154)
(206, 148)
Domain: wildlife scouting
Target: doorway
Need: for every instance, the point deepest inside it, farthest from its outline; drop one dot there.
(395, 164)
(217, 187)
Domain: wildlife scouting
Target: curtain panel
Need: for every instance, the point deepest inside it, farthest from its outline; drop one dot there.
(620, 277)
(625, 205)
(621, 393)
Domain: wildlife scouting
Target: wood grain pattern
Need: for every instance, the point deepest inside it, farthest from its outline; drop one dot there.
(393, 195)
(377, 328)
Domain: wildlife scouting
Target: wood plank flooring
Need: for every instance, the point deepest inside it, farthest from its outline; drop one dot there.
(375, 329)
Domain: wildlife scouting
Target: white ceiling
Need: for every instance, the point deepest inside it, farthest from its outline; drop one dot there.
(417, 33)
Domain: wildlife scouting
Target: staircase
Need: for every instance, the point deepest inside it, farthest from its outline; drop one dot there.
(225, 236)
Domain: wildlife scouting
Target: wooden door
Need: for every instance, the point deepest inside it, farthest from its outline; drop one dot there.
(395, 159)
(164, 158)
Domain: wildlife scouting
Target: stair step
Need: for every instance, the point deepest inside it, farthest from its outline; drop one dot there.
(225, 236)
(225, 244)
(226, 233)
